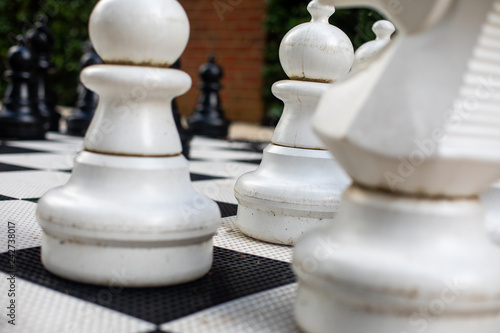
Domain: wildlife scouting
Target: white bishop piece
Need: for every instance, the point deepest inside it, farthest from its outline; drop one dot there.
(298, 184)
(418, 132)
(128, 214)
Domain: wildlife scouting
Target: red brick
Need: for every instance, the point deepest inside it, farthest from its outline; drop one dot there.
(238, 41)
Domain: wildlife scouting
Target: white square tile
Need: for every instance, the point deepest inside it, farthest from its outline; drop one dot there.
(41, 160)
(43, 310)
(21, 215)
(230, 237)
(49, 146)
(30, 184)
(219, 190)
(221, 169)
(267, 312)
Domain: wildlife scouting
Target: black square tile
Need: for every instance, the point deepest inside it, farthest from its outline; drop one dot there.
(6, 149)
(4, 167)
(233, 275)
(227, 209)
(251, 147)
(254, 161)
(35, 200)
(198, 176)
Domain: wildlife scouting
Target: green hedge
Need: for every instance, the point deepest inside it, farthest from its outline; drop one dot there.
(68, 20)
(283, 15)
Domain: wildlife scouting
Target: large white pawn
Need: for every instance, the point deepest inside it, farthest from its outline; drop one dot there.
(298, 184)
(383, 30)
(417, 130)
(129, 215)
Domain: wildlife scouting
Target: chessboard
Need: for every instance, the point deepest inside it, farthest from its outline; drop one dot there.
(250, 287)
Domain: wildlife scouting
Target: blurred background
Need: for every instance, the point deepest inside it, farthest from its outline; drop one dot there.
(244, 35)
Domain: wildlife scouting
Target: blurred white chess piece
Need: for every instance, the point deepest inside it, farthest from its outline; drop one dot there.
(129, 210)
(298, 184)
(491, 201)
(383, 30)
(417, 131)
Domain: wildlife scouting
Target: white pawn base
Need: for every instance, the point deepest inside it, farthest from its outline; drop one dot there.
(399, 264)
(293, 191)
(128, 221)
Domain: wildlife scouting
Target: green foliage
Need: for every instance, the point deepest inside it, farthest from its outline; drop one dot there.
(68, 19)
(283, 15)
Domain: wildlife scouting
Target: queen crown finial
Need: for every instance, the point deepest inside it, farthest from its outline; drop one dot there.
(316, 51)
(383, 29)
(319, 12)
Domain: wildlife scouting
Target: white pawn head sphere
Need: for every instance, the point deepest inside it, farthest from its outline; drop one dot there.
(139, 32)
(316, 51)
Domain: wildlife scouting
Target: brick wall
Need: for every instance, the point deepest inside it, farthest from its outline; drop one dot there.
(233, 31)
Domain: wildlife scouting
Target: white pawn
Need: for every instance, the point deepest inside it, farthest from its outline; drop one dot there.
(383, 30)
(298, 185)
(418, 133)
(129, 214)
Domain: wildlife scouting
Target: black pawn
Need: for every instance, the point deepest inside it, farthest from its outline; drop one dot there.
(19, 117)
(78, 122)
(185, 134)
(208, 117)
(41, 42)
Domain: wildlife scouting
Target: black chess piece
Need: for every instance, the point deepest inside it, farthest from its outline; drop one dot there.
(78, 122)
(40, 40)
(184, 133)
(20, 117)
(208, 117)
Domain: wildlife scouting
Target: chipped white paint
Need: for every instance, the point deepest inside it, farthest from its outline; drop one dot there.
(409, 252)
(297, 187)
(129, 215)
